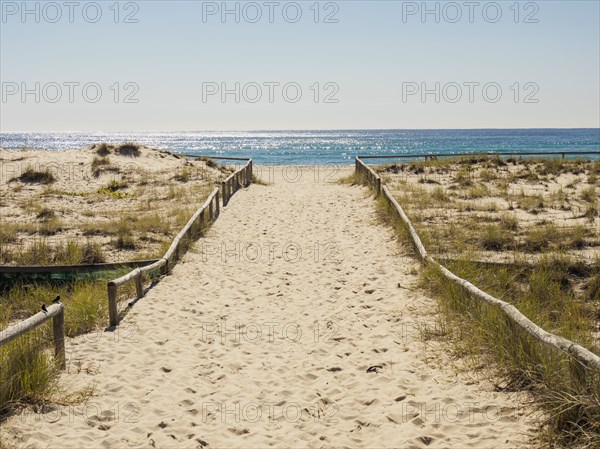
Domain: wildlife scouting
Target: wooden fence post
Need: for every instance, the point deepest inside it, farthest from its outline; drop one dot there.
(112, 305)
(223, 191)
(217, 208)
(58, 327)
(139, 285)
(202, 219)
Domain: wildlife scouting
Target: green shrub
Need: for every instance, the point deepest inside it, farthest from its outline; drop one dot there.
(112, 189)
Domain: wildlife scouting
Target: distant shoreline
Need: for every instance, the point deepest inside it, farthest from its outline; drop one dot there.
(323, 147)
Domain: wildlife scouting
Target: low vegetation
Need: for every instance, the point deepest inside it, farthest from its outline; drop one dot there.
(28, 372)
(130, 149)
(111, 215)
(501, 206)
(41, 251)
(33, 176)
(121, 200)
(515, 229)
(567, 393)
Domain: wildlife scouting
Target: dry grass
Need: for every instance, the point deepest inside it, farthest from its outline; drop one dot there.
(41, 252)
(125, 208)
(135, 215)
(130, 149)
(34, 176)
(521, 196)
(559, 291)
(28, 372)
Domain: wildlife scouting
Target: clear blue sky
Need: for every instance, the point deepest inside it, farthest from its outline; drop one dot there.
(369, 53)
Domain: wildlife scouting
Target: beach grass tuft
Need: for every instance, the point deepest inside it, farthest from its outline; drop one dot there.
(130, 149)
(103, 149)
(33, 176)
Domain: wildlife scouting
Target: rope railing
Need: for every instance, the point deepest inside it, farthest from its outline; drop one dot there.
(55, 312)
(206, 214)
(235, 181)
(556, 342)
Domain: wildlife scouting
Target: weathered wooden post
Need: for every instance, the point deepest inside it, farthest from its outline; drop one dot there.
(224, 190)
(217, 208)
(56, 311)
(139, 285)
(112, 304)
(202, 220)
(58, 328)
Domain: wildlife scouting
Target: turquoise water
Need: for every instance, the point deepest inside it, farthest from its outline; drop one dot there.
(325, 147)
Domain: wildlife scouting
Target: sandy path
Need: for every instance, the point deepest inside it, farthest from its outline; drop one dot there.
(310, 342)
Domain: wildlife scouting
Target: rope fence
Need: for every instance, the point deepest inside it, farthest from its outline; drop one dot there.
(556, 342)
(205, 215)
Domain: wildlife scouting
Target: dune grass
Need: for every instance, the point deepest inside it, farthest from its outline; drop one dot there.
(28, 371)
(41, 251)
(130, 149)
(33, 176)
(567, 393)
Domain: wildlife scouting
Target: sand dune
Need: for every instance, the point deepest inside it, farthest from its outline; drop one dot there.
(292, 324)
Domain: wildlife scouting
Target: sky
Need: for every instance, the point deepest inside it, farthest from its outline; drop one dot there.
(267, 65)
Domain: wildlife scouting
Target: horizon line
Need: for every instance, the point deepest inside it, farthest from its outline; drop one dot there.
(298, 130)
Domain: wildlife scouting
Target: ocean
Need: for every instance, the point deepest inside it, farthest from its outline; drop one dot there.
(324, 147)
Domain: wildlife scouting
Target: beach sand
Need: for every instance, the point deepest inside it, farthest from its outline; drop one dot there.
(293, 323)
